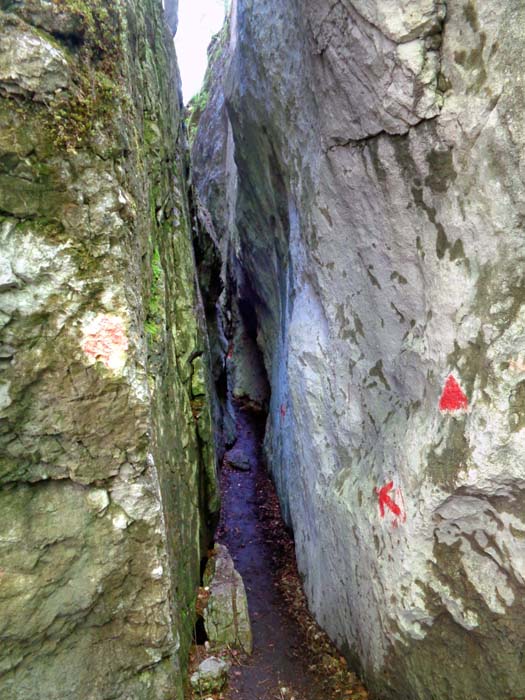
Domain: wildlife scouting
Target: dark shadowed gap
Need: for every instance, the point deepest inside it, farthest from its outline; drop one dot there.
(199, 632)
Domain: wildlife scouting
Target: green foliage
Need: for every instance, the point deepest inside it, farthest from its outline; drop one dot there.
(73, 117)
(99, 28)
(194, 110)
(200, 100)
(152, 329)
(95, 89)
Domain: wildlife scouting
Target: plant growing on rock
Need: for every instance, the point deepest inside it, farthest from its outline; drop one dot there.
(96, 49)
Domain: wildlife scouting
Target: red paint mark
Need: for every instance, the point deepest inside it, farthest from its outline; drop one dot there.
(387, 502)
(283, 411)
(453, 397)
(230, 352)
(105, 340)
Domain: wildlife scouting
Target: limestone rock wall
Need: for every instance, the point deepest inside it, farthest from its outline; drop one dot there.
(213, 173)
(377, 233)
(107, 463)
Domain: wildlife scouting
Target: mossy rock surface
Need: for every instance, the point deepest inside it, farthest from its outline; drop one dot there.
(107, 475)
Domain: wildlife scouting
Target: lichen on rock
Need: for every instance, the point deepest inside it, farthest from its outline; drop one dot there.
(107, 475)
(226, 615)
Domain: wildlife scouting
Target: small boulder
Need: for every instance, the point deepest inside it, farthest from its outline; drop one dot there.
(226, 616)
(210, 676)
(236, 458)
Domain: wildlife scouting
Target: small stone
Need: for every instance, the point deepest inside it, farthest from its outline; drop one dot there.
(237, 459)
(210, 676)
(98, 499)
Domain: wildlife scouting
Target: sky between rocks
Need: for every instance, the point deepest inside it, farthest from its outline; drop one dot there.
(199, 20)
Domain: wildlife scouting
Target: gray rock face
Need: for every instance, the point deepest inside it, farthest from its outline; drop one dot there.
(211, 676)
(226, 616)
(30, 64)
(171, 9)
(377, 215)
(107, 464)
(212, 158)
(246, 369)
(56, 18)
(380, 67)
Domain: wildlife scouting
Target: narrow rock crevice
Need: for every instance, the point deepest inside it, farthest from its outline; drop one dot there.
(329, 290)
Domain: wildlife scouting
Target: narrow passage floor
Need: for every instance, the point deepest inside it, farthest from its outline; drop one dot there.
(293, 659)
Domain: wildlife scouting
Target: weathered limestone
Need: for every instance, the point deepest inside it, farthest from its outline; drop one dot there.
(107, 463)
(211, 675)
(375, 222)
(226, 616)
(212, 156)
(30, 64)
(247, 373)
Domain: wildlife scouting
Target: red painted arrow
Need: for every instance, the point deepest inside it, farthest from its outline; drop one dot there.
(385, 500)
(453, 398)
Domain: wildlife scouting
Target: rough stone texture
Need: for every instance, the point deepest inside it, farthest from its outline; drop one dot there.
(213, 169)
(107, 464)
(380, 66)
(211, 675)
(377, 232)
(237, 458)
(226, 616)
(246, 368)
(212, 154)
(30, 64)
(57, 17)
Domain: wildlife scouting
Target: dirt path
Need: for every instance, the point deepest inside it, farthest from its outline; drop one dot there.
(292, 658)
